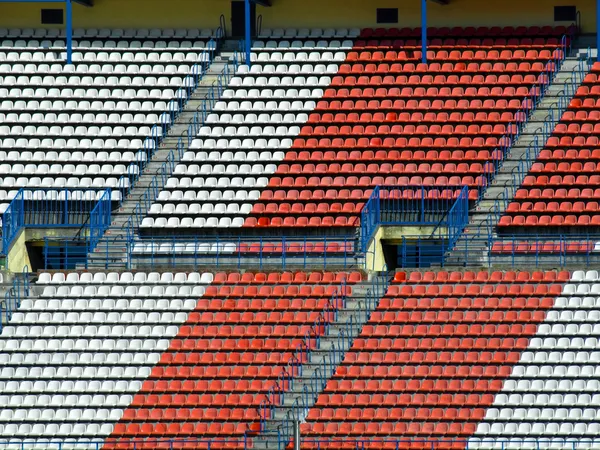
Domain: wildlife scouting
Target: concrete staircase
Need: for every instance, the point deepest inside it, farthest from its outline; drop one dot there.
(354, 313)
(472, 245)
(111, 251)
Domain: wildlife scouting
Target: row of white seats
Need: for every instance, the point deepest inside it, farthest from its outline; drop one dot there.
(301, 33)
(197, 208)
(73, 170)
(98, 304)
(93, 93)
(238, 195)
(139, 57)
(585, 276)
(182, 248)
(239, 156)
(62, 182)
(54, 432)
(547, 414)
(96, 82)
(85, 344)
(267, 93)
(249, 144)
(577, 302)
(217, 182)
(124, 144)
(84, 105)
(95, 69)
(117, 291)
(569, 329)
(125, 278)
(275, 81)
(252, 118)
(134, 45)
(71, 118)
(258, 131)
(560, 357)
(101, 331)
(186, 222)
(72, 372)
(292, 57)
(81, 130)
(581, 288)
(61, 415)
(249, 106)
(294, 45)
(289, 69)
(541, 400)
(222, 169)
(552, 385)
(566, 429)
(143, 33)
(574, 370)
(566, 315)
(577, 343)
(77, 358)
(60, 400)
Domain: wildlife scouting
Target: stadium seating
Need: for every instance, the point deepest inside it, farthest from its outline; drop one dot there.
(562, 190)
(471, 355)
(94, 123)
(323, 116)
(148, 355)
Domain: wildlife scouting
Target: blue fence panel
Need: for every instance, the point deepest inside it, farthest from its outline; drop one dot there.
(100, 219)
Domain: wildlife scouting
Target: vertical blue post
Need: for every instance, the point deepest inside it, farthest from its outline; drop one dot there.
(424, 31)
(597, 30)
(69, 8)
(248, 38)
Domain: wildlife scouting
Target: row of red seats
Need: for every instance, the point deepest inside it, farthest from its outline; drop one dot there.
(384, 168)
(400, 429)
(436, 357)
(482, 277)
(552, 207)
(440, 80)
(296, 248)
(249, 343)
(397, 130)
(542, 247)
(498, 316)
(258, 331)
(557, 181)
(440, 106)
(204, 386)
(219, 372)
(508, 31)
(394, 400)
(256, 304)
(418, 117)
(452, 330)
(232, 359)
(570, 154)
(580, 116)
(455, 55)
(277, 291)
(414, 156)
(346, 371)
(442, 344)
(549, 221)
(549, 194)
(585, 103)
(447, 67)
(174, 429)
(463, 143)
(486, 303)
(365, 181)
(592, 89)
(308, 208)
(474, 289)
(433, 91)
(327, 221)
(188, 414)
(193, 400)
(411, 386)
(576, 128)
(450, 44)
(286, 277)
(256, 318)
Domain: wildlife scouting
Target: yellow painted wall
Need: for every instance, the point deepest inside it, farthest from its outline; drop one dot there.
(17, 257)
(300, 13)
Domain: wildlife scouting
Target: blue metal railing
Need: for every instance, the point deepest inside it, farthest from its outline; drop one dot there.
(44, 208)
(445, 208)
(12, 298)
